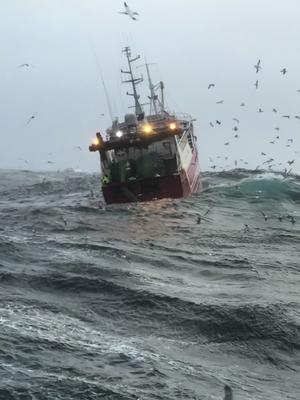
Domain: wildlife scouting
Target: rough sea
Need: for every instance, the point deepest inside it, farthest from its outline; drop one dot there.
(149, 301)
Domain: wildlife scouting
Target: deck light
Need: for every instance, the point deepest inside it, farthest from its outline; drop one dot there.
(147, 128)
(172, 126)
(119, 134)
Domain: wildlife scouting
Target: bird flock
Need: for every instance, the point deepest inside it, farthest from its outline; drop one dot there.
(267, 162)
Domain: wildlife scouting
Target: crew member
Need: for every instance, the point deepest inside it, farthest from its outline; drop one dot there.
(105, 180)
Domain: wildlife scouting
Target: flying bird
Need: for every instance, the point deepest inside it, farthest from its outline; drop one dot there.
(31, 118)
(235, 128)
(220, 102)
(218, 122)
(236, 120)
(25, 65)
(274, 110)
(297, 116)
(285, 116)
(211, 124)
(264, 215)
(263, 154)
(260, 110)
(272, 142)
(243, 104)
(131, 14)
(202, 217)
(257, 66)
(211, 85)
(291, 162)
(283, 71)
(256, 84)
(226, 144)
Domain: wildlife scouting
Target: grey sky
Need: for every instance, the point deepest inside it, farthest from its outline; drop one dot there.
(193, 42)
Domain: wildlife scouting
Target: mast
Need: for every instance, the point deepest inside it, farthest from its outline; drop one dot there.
(153, 96)
(133, 81)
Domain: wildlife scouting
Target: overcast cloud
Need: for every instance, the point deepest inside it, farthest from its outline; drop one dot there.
(193, 42)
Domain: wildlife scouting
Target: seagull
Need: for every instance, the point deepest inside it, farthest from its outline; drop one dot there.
(257, 66)
(256, 84)
(297, 116)
(24, 65)
(274, 110)
(291, 162)
(78, 147)
(260, 110)
(64, 221)
(235, 163)
(276, 129)
(213, 167)
(131, 14)
(272, 142)
(50, 162)
(246, 229)
(243, 104)
(218, 122)
(31, 118)
(220, 102)
(25, 161)
(264, 215)
(268, 161)
(277, 137)
(291, 218)
(283, 71)
(235, 128)
(236, 136)
(285, 116)
(211, 85)
(211, 124)
(202, 217)
(263, 154)
(236, 120)
(290, 140)
(286, 173)
(226, 144)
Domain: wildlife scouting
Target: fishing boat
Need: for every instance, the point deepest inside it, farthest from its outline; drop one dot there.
(148, 156)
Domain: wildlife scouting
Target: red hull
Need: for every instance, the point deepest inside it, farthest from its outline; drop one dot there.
(171, 186)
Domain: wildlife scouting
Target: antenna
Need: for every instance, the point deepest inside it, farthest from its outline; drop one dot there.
(104, 88)
(107, 99)
(133, 81)
(153, 97)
